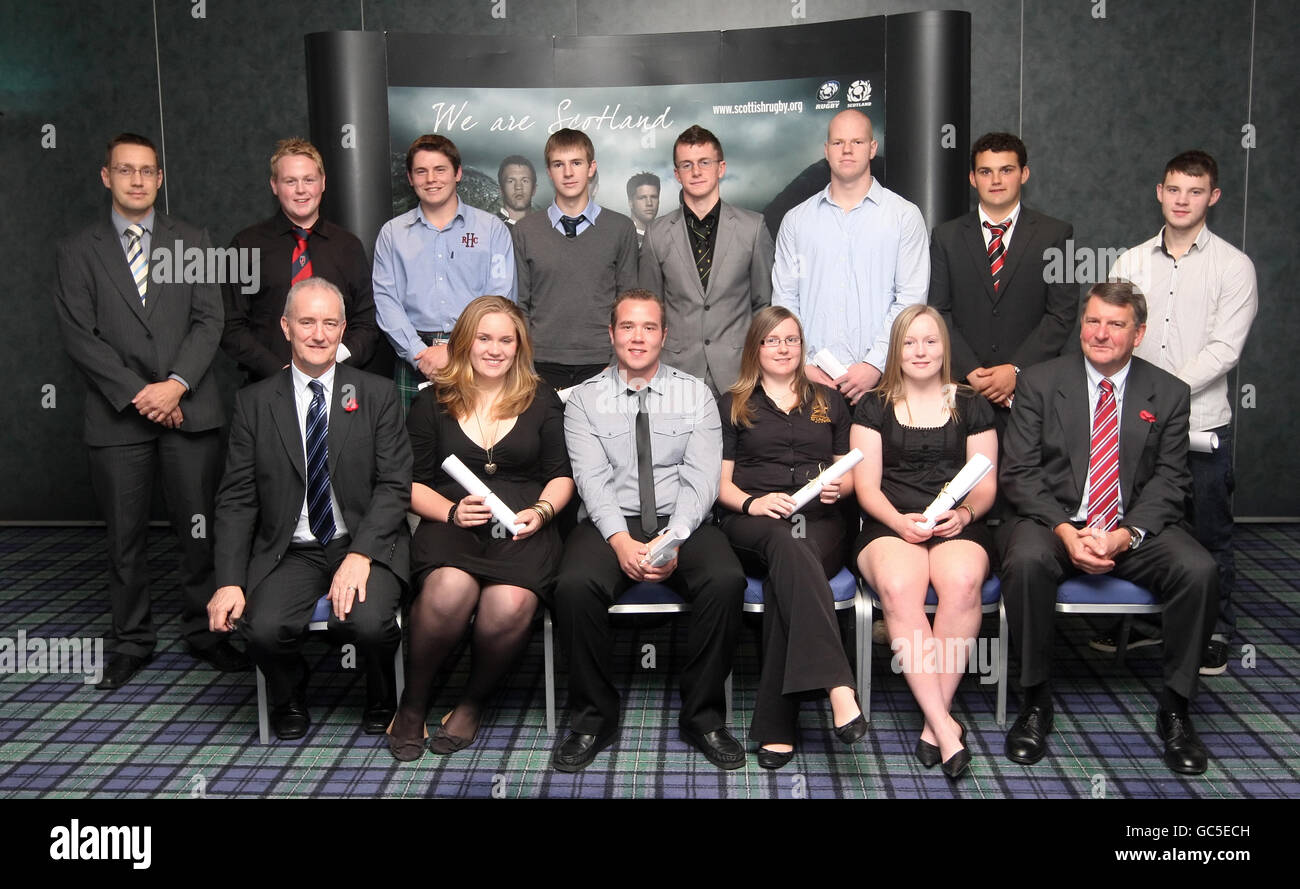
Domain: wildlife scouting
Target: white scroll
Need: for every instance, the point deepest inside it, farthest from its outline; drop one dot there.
(472, 483)
(975, 469)
(564, 394)
(830, 364)
(813, 489)
(1204, 442)
(664, 548)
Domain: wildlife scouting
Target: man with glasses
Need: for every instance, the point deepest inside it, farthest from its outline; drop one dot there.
(711, 262)
(849, 259)
(145, 345)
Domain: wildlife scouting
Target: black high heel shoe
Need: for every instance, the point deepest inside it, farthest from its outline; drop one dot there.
(855, 729)
(928, 754)
(954, 765)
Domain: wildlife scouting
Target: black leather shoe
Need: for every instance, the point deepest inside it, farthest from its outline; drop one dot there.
(577, 750)
(1184, 752)
(954, 765)
(376, 717)
(290, 719)
(929, 755)
(718, 747)
(852, 731)
(223, 656)
(773, 759)
(120, 669)
(1027, 740)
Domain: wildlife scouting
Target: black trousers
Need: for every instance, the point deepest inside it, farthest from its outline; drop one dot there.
(278, 610)
(189, 466)
(1171, 564)
(708, 576)
(562, 376)
(802, 649)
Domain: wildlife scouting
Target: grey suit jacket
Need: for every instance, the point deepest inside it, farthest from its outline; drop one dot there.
(1046, 447)
(262, 490)
(121, 346)
(706, 328)
(1027, 320)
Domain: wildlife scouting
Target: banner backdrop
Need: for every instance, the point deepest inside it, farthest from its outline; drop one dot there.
(771, 132)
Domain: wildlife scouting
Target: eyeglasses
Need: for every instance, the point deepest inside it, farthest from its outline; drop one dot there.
(772, 342)
(704, 165)
(127, 172)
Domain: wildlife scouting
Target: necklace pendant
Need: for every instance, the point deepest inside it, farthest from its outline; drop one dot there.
(490, 468)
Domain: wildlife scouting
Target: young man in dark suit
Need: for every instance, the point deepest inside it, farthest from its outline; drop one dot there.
(144, 344)
(314, 501)
(987, 277)
(1094, 464)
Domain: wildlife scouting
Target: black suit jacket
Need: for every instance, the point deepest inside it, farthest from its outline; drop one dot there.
(253, 336)
(1027, 320)
(262, 491)
(121, 346)
(1045, 449)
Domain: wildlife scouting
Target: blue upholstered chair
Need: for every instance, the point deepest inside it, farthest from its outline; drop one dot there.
(1104, 594)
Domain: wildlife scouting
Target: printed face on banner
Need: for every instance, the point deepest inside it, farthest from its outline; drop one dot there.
(997, 177)
(699, 171)
(638, 337)
(298, 184)
(517, 187)
(570, 173)
(133, 178)
(644, 204)
(434, 179)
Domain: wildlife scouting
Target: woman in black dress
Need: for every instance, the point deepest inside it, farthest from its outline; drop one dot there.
(916, 431)
(779, 430)
(489, 408)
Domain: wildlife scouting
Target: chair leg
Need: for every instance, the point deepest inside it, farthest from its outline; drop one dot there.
(1004, 653)
(263, 717)
(726, 693)
(1121, 644)
(548, 650)
(862, 617)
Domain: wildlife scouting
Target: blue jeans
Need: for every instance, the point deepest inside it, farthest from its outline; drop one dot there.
(1212, 486)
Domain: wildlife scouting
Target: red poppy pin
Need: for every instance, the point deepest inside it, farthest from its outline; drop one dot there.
(351, 404)
(1148, 416)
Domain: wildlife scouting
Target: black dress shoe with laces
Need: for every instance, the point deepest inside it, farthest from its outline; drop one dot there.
(120, 670)
(718, 747)
(1027, 740)
(291, 719)
(1184, 752)
(577, 750)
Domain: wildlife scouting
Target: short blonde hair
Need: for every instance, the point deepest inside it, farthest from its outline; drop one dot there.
(300, 147)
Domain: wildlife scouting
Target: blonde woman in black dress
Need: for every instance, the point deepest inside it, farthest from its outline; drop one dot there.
(490, 409)
(916, 430)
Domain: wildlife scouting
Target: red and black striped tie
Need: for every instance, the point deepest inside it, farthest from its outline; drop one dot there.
(301, 264)
(1103, 462)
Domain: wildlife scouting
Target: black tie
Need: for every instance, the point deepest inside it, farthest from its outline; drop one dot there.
(645, 468)
(570, 224)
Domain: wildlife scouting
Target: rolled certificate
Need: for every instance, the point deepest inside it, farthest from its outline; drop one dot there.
(1205, 442)
(829, 363)
(564, 394)
(472, 483)
(975, 469)
(813, 489)
(665, 547)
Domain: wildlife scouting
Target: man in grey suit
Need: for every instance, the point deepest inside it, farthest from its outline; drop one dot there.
(987, 277)
(314, 500)
(712, 264)
(144, 344)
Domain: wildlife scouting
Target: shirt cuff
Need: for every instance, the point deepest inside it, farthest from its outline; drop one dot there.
(180, 379)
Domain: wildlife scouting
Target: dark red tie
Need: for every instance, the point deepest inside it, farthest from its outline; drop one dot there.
(1103, 462)
(301, 265)
(996, 249)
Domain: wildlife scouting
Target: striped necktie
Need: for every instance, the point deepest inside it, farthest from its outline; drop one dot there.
(136, 259)
(301, 263)
(320, 515)
(996, 250)
(1103, 462)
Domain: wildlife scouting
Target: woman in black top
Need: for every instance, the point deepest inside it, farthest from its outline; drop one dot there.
(916, 431)
(779, 430)
(487, 407)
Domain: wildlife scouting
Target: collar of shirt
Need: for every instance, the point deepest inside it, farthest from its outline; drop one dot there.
(1117, 380)
(874, 194)
(760, 399)
(120, 223)
(417, 216)
(1201, 242)
(591, 212)
(285, 226)
(302, 391)
(1010, 217)
(709, 220)
(656, 384)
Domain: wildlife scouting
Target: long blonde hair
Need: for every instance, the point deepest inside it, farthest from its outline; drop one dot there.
(456, 384)
(751, 372)
(890, 387)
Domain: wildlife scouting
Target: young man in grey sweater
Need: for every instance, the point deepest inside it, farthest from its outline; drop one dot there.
(571, 262)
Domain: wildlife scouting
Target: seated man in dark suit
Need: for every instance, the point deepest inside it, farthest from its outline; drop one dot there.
(1095, 464)
(296, 244)
(314, 499)
(645, 442)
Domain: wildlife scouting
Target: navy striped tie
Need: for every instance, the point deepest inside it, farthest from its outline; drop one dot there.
(319, 513)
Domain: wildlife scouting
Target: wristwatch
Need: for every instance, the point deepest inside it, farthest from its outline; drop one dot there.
(1134, 537)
